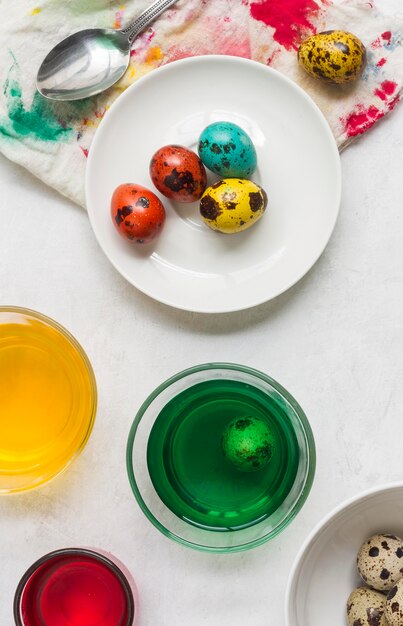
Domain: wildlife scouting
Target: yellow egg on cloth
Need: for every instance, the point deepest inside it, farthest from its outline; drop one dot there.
(334, 56)
(232, 205)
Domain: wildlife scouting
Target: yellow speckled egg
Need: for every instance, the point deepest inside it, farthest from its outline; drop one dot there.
(232, 205)
(334, 56)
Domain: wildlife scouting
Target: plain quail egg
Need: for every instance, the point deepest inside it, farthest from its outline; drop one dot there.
(380, 561)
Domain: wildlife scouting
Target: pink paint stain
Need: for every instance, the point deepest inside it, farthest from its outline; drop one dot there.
(291, 19)
(361, 120)
(376, 44)
(118, 19)
(224, 47)
(84, 151)
(100, 113)
(143, 42)
(386, 90)
(381, 62)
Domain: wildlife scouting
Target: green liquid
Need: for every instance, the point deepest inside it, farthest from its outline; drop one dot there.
(188, 468)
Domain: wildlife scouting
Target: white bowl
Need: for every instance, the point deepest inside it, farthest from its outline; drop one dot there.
(325, 572)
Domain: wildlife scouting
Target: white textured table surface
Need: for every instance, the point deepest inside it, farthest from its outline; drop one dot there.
(335, 341)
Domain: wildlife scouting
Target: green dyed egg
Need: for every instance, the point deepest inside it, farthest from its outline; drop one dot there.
(227, 150)
(248, 443)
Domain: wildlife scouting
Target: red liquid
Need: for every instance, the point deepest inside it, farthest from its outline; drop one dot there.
(75, 590)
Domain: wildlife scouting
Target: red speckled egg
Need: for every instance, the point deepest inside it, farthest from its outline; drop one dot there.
(178, 173)
(137, 213)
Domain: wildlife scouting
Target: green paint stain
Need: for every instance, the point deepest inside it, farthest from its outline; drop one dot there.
(39, 122)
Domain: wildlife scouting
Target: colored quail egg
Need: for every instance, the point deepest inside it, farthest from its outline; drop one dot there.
(178, 173)
(248, 443)
(394, 605)
(233, 205)
(335, 56)
(366, 607)
(380, 561)
(227, 150)
(137, 213)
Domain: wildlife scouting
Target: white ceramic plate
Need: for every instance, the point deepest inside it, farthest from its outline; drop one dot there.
(189, 266)
(325, 573)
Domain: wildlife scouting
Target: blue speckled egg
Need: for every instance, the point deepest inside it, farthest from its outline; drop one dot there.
(227, 150)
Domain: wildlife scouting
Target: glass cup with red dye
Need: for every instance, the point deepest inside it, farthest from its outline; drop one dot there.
(76, 587)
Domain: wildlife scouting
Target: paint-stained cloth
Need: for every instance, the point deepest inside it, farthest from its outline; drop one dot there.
(53, 140)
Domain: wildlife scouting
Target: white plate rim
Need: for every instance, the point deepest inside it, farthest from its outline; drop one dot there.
(171, 67)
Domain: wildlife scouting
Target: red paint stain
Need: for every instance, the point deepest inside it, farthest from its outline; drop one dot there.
(84, 151)
(381, 62)
(393, 102)
(389, 87)
(380, 94)
(273, 56)
(380, 41)
(361, 120)
(386, 90)
(291, 19)
(387, 36)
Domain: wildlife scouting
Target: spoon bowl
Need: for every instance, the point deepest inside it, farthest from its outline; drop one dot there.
(92, 60)
(84, 64)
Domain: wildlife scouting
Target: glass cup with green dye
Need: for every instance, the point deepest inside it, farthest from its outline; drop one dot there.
(220, 457)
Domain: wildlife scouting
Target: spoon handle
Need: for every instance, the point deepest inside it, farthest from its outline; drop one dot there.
(145, 18)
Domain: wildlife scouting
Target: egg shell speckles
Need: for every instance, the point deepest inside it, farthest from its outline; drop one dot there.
(394, 605)
(334, 56)
(380, 561)
(232, 205)
(227, 150)
(366, 607)
(178, 173)
(248, 443)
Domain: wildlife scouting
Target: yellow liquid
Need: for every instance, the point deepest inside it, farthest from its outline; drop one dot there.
(47, 399)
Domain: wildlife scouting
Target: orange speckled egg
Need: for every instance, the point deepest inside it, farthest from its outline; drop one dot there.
(137, 213)
(178, 173)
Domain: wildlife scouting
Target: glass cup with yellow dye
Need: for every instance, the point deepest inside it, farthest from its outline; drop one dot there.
(48, 399)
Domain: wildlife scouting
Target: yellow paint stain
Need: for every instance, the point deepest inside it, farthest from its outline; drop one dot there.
(154, 54)
(127, 79)
(36, 11)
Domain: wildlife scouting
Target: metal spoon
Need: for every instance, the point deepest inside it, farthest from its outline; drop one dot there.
(92, 60)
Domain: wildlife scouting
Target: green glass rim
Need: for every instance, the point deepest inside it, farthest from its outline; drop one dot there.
(92, 380)
(310, 448)
(75, 552)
